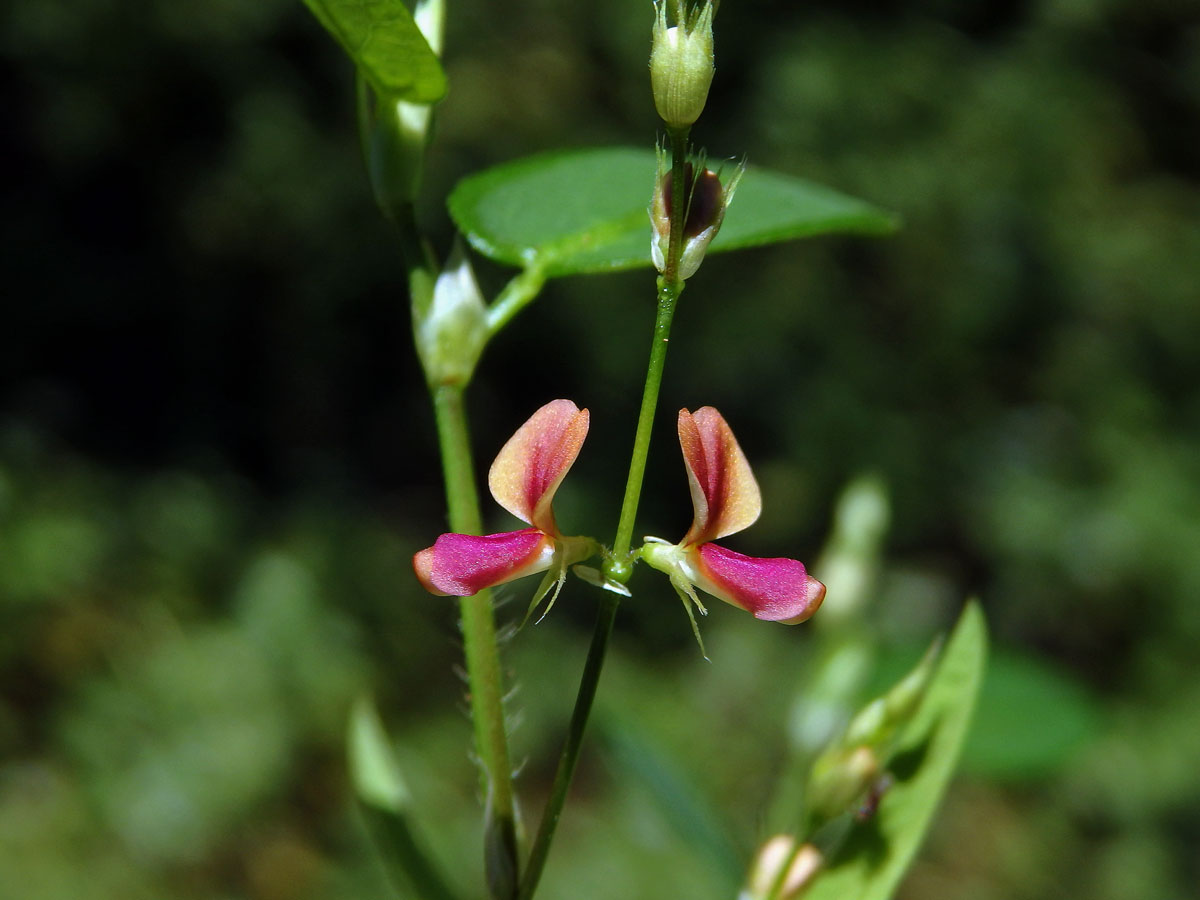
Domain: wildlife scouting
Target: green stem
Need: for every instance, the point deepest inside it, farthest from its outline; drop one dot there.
(670, 286)
(382, 142)
(484, 683)
(517, 294)
(668, 296)
(618, 565)
(679, 203)
(588, 682)
(462, 500)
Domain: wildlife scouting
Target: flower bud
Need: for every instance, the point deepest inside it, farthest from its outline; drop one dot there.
(768, 869)
(450, 327)
(839, 779)
(879, 721)
(704, 205)
(681, 64)
(851, 766)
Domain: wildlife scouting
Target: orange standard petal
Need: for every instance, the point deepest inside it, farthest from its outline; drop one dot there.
(725, 495)
(530, 467)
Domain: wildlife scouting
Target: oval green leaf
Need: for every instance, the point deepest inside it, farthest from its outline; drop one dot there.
(876, 854)
(583, 211)
(386, 45)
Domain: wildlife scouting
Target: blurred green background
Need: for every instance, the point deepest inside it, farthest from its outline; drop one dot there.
(216, 456)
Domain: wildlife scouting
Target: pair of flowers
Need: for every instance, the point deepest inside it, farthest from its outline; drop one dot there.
(725, 499)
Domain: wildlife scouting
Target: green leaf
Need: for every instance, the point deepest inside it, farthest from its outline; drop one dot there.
(386, 45)
(385, 802)
(373, 765)
(876, 853)
(586, 211)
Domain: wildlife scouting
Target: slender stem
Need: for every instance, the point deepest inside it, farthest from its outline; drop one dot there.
(617, 567)
(605, 618)
(383, 140)
(670, 286)
(668, 295)
(415, 249)
(484, 682)
(517, 294)
(462, 500)
(679, 203)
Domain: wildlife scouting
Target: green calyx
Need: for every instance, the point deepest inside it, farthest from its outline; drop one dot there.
(681, 64)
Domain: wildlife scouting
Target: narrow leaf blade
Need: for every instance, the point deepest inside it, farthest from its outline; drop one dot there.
(875, 856)
(385, 803)
(586, 211)
(382, 39)
(373, 766)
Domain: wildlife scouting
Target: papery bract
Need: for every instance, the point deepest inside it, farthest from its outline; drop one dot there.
(706, 199)
(681, 63)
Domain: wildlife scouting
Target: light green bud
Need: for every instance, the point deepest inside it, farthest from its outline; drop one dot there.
(681, 64)
(879, 721)
(839, 778)
(450, 327)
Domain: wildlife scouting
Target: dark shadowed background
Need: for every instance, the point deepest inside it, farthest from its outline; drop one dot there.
(216, 455)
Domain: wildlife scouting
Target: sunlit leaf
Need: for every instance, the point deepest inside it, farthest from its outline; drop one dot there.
(586, 211)
(382, 39)
(877, 852)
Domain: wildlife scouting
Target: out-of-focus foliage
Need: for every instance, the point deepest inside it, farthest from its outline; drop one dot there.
(386, 47)
(216, 456)
(878, 851)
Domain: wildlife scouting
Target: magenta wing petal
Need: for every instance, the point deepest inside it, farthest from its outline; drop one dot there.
(460, 565)
(775, 590)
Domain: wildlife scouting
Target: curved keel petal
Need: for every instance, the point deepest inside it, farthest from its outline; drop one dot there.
(460, 565)
(775, 590)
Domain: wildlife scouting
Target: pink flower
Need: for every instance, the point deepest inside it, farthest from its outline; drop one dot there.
(523, 479)
(726, 499)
